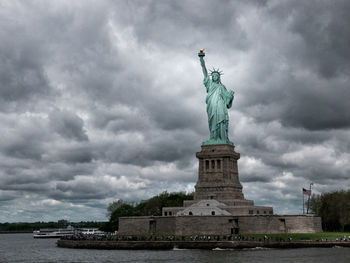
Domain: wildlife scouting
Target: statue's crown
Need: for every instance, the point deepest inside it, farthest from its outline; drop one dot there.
(213, 71)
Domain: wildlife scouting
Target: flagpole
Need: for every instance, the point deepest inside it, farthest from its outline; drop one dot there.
(302, 192)
(308, 200)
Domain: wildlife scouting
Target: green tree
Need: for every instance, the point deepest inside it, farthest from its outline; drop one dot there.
(152, 206)
(114, 206)
(123, 210)
(334, 209)
(315, 204)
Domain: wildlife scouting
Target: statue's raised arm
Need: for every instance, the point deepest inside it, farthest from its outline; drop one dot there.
(201, 55)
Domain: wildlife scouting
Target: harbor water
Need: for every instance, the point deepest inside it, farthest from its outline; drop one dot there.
(24, 248)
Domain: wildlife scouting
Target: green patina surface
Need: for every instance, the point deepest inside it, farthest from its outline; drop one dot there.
(218, 100)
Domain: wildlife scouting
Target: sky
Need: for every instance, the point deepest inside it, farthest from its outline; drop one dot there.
(104, 100)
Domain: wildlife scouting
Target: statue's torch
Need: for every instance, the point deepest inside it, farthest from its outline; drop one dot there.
(201, 53)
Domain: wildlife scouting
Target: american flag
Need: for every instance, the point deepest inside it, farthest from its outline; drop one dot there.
(306, 192)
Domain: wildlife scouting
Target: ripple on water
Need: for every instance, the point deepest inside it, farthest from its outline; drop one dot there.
(23, 248)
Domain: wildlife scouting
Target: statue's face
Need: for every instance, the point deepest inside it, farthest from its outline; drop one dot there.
(215, 77)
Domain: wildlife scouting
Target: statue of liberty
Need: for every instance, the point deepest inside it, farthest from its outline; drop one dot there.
(218, 100)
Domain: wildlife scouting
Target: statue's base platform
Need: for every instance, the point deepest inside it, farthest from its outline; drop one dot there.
(218, 173)
(219, 206)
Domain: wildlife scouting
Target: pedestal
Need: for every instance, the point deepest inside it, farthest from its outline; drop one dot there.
(218, 173)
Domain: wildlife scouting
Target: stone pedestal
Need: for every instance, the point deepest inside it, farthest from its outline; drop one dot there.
(218, 190)
(219, 206)
(218, 173)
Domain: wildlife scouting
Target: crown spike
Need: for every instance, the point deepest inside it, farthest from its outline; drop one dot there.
(214, 70)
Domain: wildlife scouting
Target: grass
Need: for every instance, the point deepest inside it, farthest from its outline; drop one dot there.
(302, 236)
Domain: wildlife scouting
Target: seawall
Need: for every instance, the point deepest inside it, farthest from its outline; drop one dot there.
(161, 245)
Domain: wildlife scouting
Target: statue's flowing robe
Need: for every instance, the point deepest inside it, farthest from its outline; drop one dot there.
(218, 100)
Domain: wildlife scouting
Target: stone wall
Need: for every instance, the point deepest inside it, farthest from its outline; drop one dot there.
(166, 225)
(238, 202)
(260, 225)
(280, 224)
(219, 225)
(204, 225)
(134, 225)
(249, 210)
(147, 225)
(303, 224)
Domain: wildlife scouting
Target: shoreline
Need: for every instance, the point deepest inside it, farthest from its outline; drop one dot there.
(168, 245)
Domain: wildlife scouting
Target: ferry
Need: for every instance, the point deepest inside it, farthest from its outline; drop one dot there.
(69, 231)
(54, 232)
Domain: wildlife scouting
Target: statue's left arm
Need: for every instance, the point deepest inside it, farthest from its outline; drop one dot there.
(229, 95)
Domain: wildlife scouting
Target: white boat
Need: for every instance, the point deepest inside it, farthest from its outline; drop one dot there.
(91, 231)
(54, 232)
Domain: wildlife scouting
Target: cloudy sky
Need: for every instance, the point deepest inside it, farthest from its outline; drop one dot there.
(103, 100)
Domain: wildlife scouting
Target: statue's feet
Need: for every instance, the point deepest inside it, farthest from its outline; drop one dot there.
(217, 141)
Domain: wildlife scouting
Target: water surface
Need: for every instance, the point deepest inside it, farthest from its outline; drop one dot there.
(24, 248)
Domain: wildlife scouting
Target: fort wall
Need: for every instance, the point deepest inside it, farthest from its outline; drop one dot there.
(219, 225)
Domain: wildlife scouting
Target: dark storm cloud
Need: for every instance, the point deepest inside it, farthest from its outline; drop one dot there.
(155, 146)
(68, 125)
(23, 138)
(26, 149)
(325, 36)
(313, 106)
(20, 81)
(75, 155)
(7, 195)
(103, 100)
(313, 93)
(83, 189)
(180, 25)
(60, 171)
(22, 75)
